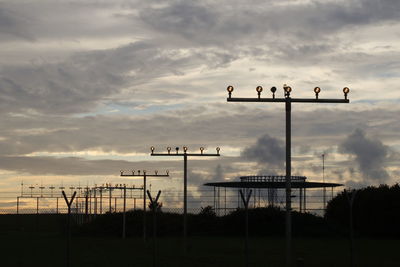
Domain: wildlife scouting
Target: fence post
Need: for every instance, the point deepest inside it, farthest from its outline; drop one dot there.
(246, 207)
(154, 207)
(69, 203)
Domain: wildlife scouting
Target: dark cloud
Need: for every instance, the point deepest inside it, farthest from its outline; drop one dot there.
(370, 155)
(266, 151)
(13, 25)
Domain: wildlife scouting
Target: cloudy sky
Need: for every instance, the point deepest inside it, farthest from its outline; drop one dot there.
(86, 87)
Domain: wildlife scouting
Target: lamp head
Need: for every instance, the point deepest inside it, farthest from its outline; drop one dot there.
(152, 149)
(259, 89)
(229, 89)
(287, 89)
(169, 149)
(185, 149)
(346, 90)
(273, 89)
(317, 90)
(201, 150)
(218, 149)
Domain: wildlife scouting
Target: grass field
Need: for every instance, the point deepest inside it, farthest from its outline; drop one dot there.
(48, 249)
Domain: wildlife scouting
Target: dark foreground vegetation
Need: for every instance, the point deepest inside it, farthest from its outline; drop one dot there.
(39, 240)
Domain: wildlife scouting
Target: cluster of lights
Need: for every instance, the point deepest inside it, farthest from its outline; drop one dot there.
(287, 89)
(132, 172)
(185, 150)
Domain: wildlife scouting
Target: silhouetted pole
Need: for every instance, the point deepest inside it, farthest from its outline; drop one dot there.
(124, 215)
(323, 180)
(185, 155)
(288, 225)
(87, 205)
(288, 104)
(110, 199)
(185, 231)
(69, 203)
(246, 208)
(144, 175)
(350, 200)
(154, 207)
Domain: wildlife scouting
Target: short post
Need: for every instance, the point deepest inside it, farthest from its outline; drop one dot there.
(69, 203)
(246, 201)
(154, 206)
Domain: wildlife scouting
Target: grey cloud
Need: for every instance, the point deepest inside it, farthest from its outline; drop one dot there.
(370, 155)
(85, 80)
(266, 151)
(13, 25)
(209, 126)
(215, 21)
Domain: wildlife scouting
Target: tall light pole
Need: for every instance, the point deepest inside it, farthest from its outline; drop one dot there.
(144, 174)
(185, 156)
(288, 107)
(323, 180)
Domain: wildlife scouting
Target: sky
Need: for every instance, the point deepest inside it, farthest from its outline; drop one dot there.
(88, 86)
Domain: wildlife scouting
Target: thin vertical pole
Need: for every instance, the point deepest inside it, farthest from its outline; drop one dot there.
(238, 202)
(225, 202)
(115, 204)
(101, 201)
(17, 205)
(144, 206)
(109, 200)
(95, 201)
(215, 203)
(87, 205)
(185, 202)
(37, 205)
(288, 108)
(323, 180)
(57, 205)
(300, 198)
(124, 215)
(305, 201)
(134, 203)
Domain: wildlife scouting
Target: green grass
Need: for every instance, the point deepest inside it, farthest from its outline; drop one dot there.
(48, 249)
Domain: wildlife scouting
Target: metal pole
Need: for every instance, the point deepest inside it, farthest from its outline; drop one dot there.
(101, 201)
(323, 180)
(87, 205)
(225, 202)
(109, 200)
(288, 107)
(95, 202)
(17, 205)
(57, 206)
(124, 215)
(300, 198)
(144, 206)
(185, 203)
(69, 236)
(37, 205)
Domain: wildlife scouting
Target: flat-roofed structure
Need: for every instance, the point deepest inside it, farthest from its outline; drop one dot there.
(271, 183)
